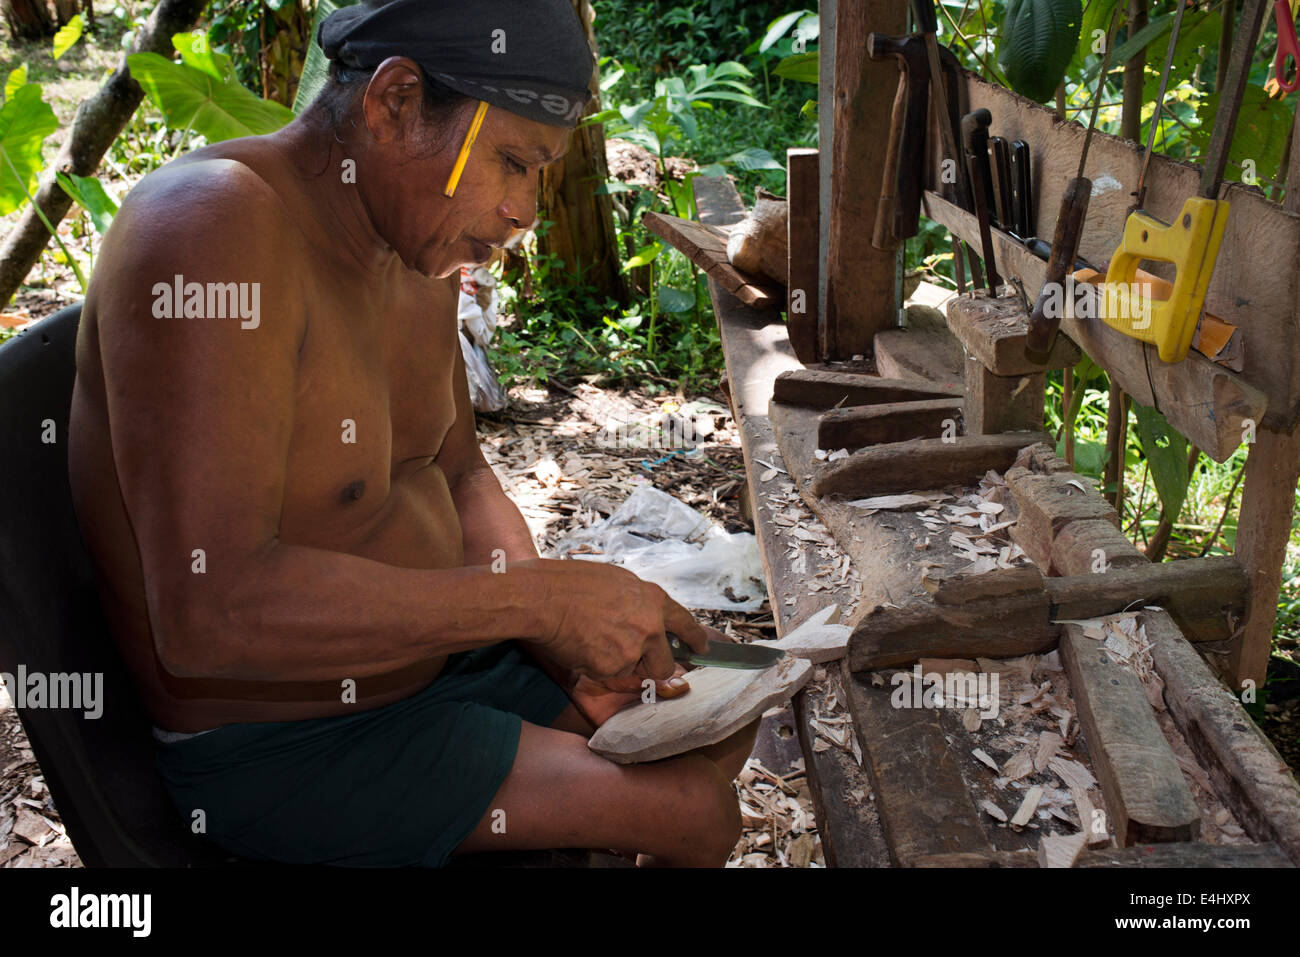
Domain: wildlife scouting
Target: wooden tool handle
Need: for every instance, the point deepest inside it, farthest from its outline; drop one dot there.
(1065, 244)
(882, 236)
(975, 139)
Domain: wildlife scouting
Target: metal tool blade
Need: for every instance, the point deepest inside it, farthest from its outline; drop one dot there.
(726, 654)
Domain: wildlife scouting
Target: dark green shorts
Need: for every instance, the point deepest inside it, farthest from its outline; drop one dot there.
(397, 786)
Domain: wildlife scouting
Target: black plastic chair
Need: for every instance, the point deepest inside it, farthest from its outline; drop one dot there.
(100, 771)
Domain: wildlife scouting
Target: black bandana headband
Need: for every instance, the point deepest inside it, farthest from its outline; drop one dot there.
(527, 56)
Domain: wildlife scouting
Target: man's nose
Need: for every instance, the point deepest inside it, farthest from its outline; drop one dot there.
(520, 206)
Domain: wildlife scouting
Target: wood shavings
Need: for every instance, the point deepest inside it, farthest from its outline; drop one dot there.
(987, 761)
(993, 810)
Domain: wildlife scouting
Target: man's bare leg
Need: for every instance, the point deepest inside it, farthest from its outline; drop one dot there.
(681, 811)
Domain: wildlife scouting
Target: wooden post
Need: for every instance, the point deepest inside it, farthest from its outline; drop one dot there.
(1263, 528)
(856, 94)
(1267, 504)
(804, 261)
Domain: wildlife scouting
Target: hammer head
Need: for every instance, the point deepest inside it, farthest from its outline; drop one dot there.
(910, 49)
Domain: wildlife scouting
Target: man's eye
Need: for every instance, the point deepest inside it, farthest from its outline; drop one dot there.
(514, 167)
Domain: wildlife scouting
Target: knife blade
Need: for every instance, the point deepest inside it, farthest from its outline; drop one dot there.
(725, 654)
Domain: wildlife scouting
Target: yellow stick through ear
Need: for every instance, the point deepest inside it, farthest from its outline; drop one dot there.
(461, 160)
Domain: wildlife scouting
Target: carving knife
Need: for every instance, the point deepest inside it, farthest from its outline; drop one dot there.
(725, 654)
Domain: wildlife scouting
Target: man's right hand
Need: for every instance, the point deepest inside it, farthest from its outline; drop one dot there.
(604, 622)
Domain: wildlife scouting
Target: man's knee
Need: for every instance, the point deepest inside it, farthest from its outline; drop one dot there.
(715, 812)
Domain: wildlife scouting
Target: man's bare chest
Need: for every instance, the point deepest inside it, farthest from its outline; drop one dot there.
(373, 404)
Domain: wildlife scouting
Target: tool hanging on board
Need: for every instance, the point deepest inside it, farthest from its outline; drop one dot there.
(898, 212)
(1069, 229)
(1288, 48)
(1191, 243)
(975, 139)
(1022, 195)
(928, 26)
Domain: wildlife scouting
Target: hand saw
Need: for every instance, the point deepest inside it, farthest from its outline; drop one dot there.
(1191, 243)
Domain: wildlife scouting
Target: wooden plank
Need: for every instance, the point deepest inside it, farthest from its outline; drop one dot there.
(921, 464)
(1092, 545)
(1248, 774)
(1205, 595)
(850, 829)
(1199, 592)
(802, 173)
(860, 279)
(1247, 289)
(996, 404)
(756, 348)
(856, 426)
(994, 859)
(923, 348)
(1263, 530)
(1148, 800)
(923, 802)
(825, 389)
(1187, 856)
(1048, 503)
(995, 330)
(721, 702)
(706, 246)
(960, 588)
(1204, 401)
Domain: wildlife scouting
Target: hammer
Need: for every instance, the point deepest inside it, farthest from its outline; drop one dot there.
(900, 186)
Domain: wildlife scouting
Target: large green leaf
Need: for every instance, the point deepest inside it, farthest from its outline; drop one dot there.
(778, 28)
(194, 99)
(753, 158)
(15, 80)
(67, 36)
(1263, 125)
(316, 67)
(196, 50)
(25, 121)
(1166, 452)
(802, 67)
(1036, 44)
(89, 193)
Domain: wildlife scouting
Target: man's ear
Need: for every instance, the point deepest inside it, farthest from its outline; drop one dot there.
(393, 100)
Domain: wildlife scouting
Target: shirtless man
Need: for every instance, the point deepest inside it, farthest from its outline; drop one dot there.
(292, 520)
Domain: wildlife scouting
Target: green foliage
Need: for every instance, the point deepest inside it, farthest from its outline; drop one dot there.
(1037, 41)
(1166, 452)
(89, 193)
(67, 36)
(25, 121)
(200, 94)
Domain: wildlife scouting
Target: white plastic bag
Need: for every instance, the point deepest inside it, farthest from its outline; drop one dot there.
(665, 541)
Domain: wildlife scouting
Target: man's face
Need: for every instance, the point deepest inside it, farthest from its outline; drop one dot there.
(496, 194)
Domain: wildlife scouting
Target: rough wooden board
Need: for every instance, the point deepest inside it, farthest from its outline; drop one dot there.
(995, 331)
(823, 389)
(923, 349)
(706, 246)
(802, 174)
(993, 627)
(960, 588)
(1249, 775)
(862, 425)
(1055, 850)
(1047, 503)
(1246, 288)
(721, 701)
(756, 348)
(923, 802)
(1075, 546)
(920, 464)
(1201, 593)
(1187, 855)
(1204, 401)
(1148, 799)
(1205, 595)
(851, 832)
(997, 403)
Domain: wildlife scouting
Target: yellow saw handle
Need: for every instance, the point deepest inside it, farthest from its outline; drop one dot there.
(1191, 244)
